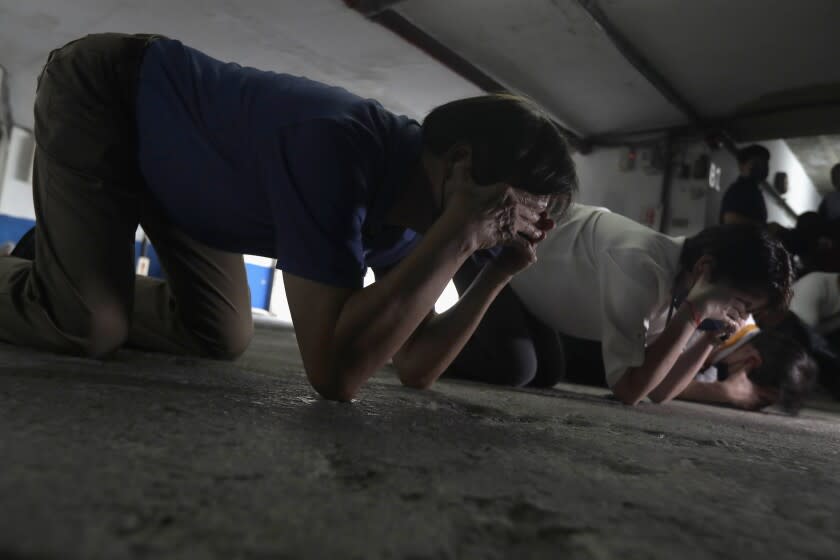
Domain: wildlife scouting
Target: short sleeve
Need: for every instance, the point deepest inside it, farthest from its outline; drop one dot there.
(627, 300)
(319, 220)
(745, 200)
(808, 297)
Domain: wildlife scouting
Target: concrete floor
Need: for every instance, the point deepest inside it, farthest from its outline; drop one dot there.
(150, 456)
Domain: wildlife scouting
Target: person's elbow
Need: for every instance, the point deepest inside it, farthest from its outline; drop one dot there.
(416, 381)
(626, 392)
(627, 397)
(658, 398)
(338, 381)
(413, 377)
(334, 389)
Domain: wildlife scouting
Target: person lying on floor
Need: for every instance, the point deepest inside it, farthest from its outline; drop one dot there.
(215, 160)
(824, 349)
(638, 294)
(754, 369)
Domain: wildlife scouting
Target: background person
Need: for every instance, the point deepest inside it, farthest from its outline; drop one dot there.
(829, 208)
(743, 202)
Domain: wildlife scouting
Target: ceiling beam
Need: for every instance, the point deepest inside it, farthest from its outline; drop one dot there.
(639, 62)
(381, 12)
(370, 8)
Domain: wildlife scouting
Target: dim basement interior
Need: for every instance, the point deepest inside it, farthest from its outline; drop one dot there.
(406, 279)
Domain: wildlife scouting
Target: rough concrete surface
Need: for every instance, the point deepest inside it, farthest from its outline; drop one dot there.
(151, 456)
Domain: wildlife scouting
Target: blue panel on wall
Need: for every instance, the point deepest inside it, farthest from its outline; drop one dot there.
(259, 281)
(155, 269)
(12, 229)
(259, 277)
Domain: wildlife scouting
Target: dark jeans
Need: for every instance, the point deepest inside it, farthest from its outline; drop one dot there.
(512, 347)
(80, 294)
(584, 361)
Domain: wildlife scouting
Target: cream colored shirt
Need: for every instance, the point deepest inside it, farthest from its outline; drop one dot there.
(601, 276)
(816, 297)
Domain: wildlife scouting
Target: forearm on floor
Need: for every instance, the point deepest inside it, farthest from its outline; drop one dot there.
(660, 358)
(684, 370)
(698, 391)
(374, 323)
(433, 347)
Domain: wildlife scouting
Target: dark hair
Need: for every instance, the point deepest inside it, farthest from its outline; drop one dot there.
(747, 257)
(512, 141)
(751, 152)
(785, 364)
(835, 176)
(817, 346)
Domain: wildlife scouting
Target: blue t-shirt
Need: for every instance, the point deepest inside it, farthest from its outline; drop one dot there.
(270, 164)
(744, 197)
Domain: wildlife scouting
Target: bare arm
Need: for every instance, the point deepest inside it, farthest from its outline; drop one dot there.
(660, 358)
(698, 391)
(707, 301)
(737, 390)
(684, 370)
(427, 354)
(345, 335)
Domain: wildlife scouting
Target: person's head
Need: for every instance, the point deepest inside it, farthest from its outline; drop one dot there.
(772, 359)
(504, 139)
(745, 258)
(835, 176)
(754, 162)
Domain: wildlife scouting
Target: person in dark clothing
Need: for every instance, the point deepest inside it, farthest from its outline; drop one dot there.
(830, 206)
(825, 352)
(511, 347)
(743, 201)
(215, 160)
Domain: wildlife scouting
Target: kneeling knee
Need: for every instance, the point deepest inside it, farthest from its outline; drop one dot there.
(107, 330)
(518, 369)
(228, 343)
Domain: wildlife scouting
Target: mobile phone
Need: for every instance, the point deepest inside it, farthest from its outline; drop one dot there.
(710, 325)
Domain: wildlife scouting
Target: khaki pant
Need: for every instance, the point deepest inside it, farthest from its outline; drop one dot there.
(80, 294)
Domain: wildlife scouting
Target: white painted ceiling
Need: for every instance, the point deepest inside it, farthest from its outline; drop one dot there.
(718, 54)
(322, 39)
(721, 54)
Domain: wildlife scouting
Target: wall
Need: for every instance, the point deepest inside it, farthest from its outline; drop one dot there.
(16, 191)
(602, 183)
(694, 203)
(802, 195)
(637, 192)
(17, 213)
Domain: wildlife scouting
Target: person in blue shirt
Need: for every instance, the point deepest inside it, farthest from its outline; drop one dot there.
(743, 202)
(829, 208)
(215, 160)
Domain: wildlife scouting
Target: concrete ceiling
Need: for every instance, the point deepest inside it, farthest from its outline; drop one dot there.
(322, 39)
(735, 62)
(724, 54)
(553, 52)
